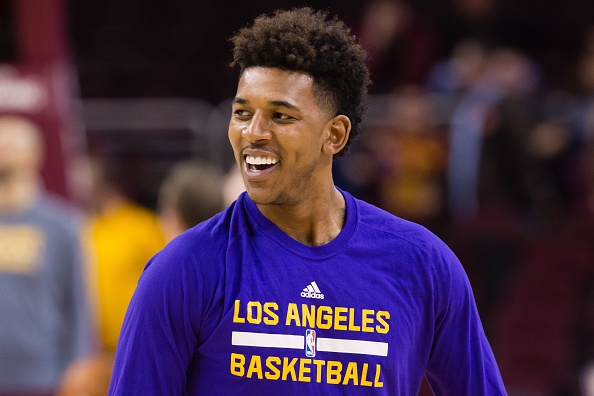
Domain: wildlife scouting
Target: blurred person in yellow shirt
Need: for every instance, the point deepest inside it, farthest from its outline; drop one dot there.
(122, 236)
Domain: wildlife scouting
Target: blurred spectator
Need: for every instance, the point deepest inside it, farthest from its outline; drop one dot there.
(43, 302)
(489, 166)
(400, 44)
(582, 122)
(191, 193)
(451, 78)
(587, 183)
(586, 80)
(457, 73)
(531, 259)
(507, 76)
(409, 155)
(582, 216)
(122, 237)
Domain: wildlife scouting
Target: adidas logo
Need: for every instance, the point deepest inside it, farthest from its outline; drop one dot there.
(312, 291)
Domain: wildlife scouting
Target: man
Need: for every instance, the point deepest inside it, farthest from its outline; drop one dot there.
(45, 321)
(190, 193)
(297, 287)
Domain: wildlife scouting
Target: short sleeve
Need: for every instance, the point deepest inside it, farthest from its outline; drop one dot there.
(158, 337)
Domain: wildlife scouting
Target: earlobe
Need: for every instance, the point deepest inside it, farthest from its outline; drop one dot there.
(339, 129)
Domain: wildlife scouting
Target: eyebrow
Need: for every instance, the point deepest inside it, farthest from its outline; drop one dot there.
(277, 103)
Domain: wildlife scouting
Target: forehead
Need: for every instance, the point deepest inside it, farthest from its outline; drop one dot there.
(273, 84)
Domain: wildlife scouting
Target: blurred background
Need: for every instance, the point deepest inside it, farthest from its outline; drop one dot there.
(480, 126)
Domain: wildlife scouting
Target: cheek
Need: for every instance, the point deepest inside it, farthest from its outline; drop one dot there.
(314, 144)
(234, 135)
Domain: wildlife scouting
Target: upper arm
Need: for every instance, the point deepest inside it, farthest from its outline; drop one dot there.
(158, 337)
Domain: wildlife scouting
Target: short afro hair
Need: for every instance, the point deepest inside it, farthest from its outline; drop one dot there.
(307, 41)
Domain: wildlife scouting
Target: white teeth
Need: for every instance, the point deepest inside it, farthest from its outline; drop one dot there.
(260, 160)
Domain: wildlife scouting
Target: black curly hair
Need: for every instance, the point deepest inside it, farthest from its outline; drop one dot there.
(307, 41)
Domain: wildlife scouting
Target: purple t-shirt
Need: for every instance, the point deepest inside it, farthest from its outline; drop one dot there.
(235, 306)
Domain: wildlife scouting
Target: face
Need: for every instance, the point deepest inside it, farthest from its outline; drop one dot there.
(19, 147)
(280, 135)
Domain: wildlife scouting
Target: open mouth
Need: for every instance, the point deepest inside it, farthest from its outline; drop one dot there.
(260, 163)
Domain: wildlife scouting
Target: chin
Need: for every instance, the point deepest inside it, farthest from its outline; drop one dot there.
(259, 196)
(265, 196)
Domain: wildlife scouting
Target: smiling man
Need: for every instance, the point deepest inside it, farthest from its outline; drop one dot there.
(297, 287)
(284, 140)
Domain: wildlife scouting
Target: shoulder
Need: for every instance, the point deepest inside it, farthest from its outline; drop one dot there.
(410, 243)
(201, 248)
(422, 251)
(380, 224)
(191, 267)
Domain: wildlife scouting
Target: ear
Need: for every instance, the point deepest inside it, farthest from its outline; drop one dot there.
(338, 129)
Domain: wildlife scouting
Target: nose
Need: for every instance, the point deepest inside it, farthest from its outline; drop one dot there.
(258, 129)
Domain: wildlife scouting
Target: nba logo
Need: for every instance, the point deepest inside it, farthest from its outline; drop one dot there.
(310, 343)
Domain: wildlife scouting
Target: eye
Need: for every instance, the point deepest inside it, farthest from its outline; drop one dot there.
(241, 114)
(280, 117)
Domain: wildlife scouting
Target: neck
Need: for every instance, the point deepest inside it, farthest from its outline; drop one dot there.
(313, 223)
(18, 194)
